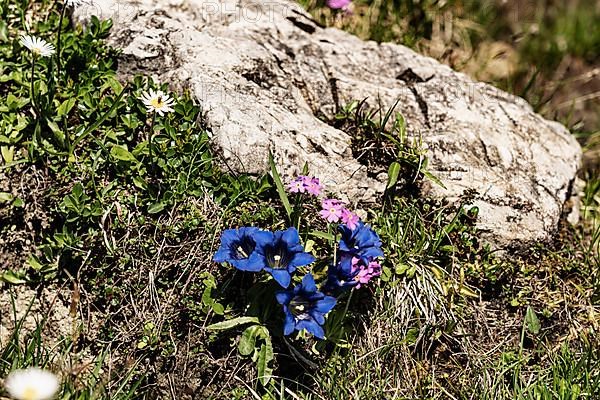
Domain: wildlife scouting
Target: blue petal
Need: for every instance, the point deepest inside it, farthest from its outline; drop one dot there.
(282, 276)
(325, 305)
(311, 327)
(228, 236)
(308, 284)
(312, 297)
(262, 238)
(290, 236)
(289, 324)
(254, 263)
(302, 259)
(344, 245)
(369, 253)
(222, 255)
(317, 316)
(344, 264)
(284, 297)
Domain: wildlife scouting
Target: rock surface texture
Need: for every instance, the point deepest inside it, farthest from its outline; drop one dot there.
(264, 72)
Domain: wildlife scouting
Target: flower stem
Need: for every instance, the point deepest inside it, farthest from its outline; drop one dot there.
(58, 41)
(32, 89)
(150, 136)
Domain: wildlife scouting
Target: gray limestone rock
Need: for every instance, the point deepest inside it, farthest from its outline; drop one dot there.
(266, 73)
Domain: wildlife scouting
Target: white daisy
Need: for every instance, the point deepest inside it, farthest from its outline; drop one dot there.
(39, 47)
(31, 384)
(157, 101)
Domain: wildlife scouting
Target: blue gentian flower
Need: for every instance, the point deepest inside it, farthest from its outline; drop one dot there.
(361, 242)
(341, 276)
(305, 307)
(282, 254)
(239, 248)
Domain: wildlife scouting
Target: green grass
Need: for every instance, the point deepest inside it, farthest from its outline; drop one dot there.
(129, 233)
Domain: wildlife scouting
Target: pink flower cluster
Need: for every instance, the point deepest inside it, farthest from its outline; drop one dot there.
(338, 4)
(305, 184)
(365, 272)
(334, 211)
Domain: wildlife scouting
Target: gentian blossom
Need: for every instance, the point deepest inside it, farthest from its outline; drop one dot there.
(338, 4)
(350, 272)
(282, 253)
(332, 210)
(238, 248)
(361, 242)
(305, 307)
(350, 219)
(341, 276)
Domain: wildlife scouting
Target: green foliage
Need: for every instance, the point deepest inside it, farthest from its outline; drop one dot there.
(380, 140)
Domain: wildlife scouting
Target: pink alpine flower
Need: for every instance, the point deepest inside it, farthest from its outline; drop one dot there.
(338, 4)
(297, 185)
(332, 210)
(313, 186)
(350, 219)
(305, 184)
(365, 273)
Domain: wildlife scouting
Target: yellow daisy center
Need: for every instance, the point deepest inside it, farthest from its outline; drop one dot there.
(157, 102)
(30, 393)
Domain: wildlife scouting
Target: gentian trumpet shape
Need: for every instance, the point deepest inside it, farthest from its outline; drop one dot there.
(305, 307)
(361, 242)
(282, 253)
(350, 272)
(341, 276)
(238, 248)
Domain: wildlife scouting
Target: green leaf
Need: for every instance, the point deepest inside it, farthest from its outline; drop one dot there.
(121, 153)
(140, 182)
(100, 120)
(232, 323)
(3, 31)
(393, 173)
(247, 343)
(8, 153)
(433, 178)
(532, 321)
(66, 106)
(386, 274)
(58, 133)
(35, 264)
(12, 278)
(280, 189)
(156, 207)
(322, 235)
(265, 356)
(6, 197)
(218, 308)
